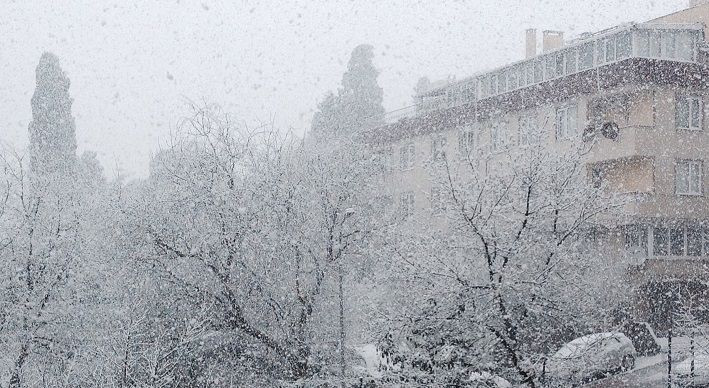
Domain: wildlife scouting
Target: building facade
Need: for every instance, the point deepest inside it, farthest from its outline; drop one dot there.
(636, 92)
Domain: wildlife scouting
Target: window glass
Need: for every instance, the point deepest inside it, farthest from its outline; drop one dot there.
(407, 156)
(685, 46)
(655, 44)
(466, 141)
(530, 73)
(566, 125)
(688, 177)
(694, 241)
(538, 71)
(406, 204)
(438, 203)
(586, 56)
(570, 61)
(668, 44)
(528, 133)
(559, 64)
(642, 42)
(550, 67)
(682, 112)
(689, 112)
(636, 239)
(496, 141)
(600, 51)
(513, 79)
(610, 49)
(623, 45)
(660, 241)
(438, 149)
(695, 108)
(677, 241)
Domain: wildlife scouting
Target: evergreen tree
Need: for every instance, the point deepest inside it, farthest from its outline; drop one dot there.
(358, 103)
(52, 130)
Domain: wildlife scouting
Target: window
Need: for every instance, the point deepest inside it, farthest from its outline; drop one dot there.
(688, 177)
(529, 69)
(566, 126)
(685, 46)
(597, 177)
(655, 44)
(586, 56)
(512, 84)
(689, 112)
(406, 204)
(677, 241)
(694, 241)
(466, 141)
(538, 71)
(680, 240)
(407, 156)
(560, 64)
(438, 149)
(496, 140)
(550, 67)
(438, 203)
(668, 44)
(636, 239)
(623, 45)
(528, 131)
(570, 58)
(642, 43)
(493, 85)
(609, 50)
(383, 159)
(660, 240)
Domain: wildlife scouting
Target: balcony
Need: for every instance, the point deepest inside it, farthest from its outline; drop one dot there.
(631, 142)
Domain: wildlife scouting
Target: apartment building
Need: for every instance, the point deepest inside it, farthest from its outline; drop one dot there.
(640, 89)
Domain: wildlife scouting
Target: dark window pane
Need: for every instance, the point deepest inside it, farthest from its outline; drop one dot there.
(677, 241)
(682, 112)
(660, 241)
(694, 241)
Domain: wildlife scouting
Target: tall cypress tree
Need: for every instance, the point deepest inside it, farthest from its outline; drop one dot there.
(358, 103)
(52, 130)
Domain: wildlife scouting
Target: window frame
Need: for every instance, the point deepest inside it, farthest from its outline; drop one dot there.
(699, 168)
(569, 110)
(408, 149)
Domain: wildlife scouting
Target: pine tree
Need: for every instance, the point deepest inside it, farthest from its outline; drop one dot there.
(52, 130)
(358, 103)
(360, 94)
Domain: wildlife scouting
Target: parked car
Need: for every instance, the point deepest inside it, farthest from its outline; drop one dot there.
(682, 371)
(590, 357)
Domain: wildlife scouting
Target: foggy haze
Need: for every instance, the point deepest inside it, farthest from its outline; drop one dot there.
(134, 65)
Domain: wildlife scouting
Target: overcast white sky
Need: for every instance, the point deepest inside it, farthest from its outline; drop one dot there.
(133, 64)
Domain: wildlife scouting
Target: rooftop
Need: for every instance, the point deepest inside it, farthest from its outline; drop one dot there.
(667, 41)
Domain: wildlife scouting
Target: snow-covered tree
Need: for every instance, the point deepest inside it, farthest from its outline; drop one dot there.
(358, 102)
(52, 130)
(254, 226)
(500, 285)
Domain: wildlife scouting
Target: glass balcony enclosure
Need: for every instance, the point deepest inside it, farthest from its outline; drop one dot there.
(676, 42)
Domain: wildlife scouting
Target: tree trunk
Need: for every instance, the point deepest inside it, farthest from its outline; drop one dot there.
(343, 365)
(19, 363)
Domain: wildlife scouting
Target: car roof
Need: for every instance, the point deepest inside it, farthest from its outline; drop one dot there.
(579, 345)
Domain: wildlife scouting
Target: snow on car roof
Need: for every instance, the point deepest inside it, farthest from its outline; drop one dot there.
(578, 346)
